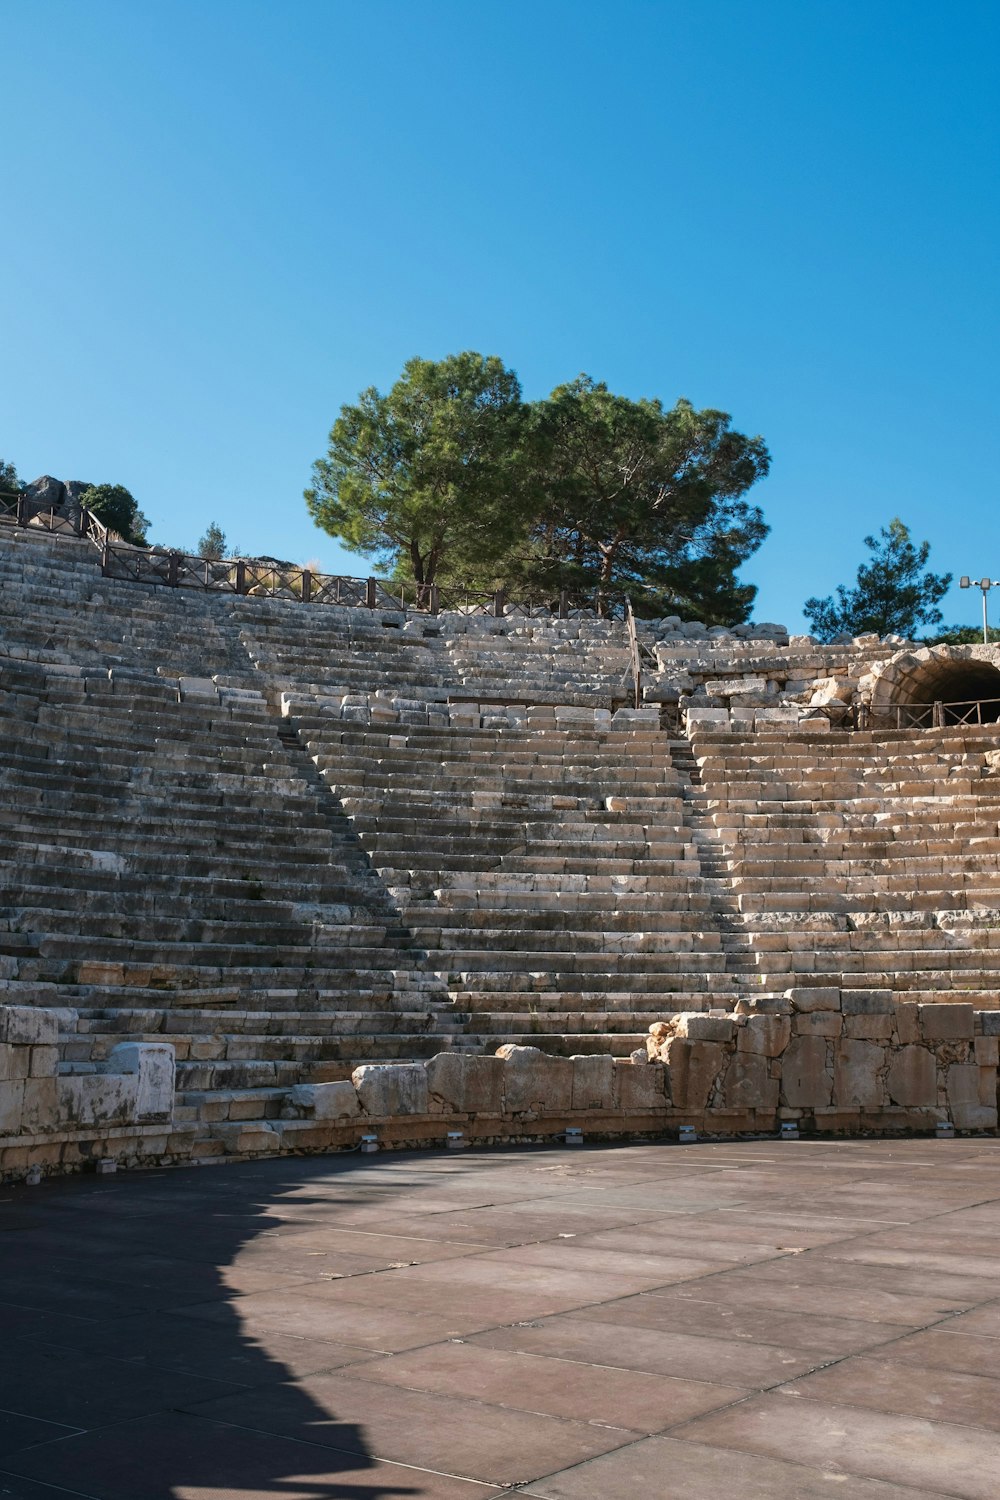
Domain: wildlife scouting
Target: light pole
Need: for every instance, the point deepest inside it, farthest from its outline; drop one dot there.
(985, 584)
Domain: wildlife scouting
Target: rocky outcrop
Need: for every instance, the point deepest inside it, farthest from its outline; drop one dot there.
(61, 498)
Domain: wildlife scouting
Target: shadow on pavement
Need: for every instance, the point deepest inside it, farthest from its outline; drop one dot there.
(119, 1313)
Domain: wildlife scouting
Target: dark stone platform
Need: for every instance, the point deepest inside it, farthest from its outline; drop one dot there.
(760, 1320)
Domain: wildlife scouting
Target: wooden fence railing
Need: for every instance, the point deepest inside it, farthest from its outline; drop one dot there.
(936, 715)
(258, 578)
(17, 509)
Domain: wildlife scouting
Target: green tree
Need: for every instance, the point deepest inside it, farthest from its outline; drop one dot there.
(118, 509)
(893, 596)
(425, 479)
(630, 496)
(213, 544)
(9, 482)
(963, 635)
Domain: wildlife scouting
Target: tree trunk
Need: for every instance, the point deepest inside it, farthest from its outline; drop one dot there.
(417, 562)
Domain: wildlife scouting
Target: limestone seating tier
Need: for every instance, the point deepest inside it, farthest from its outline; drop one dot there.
(127, 876)
(350, 651)
(549, 870)
(55, 607)
(865, 859)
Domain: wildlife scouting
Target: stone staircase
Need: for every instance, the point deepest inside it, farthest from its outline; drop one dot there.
(716, 869)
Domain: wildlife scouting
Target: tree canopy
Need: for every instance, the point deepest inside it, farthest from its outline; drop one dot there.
(425, 475)
(213, 544)
(118, 509)
(892, 596)
(634, 497)
(9, 482)
(452, 478)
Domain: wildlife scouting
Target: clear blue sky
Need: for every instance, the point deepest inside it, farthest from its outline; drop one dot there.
(223, 219)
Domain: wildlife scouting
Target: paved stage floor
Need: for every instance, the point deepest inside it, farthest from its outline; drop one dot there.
(750, 1321)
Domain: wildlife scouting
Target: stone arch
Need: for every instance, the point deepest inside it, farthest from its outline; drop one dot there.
(953, 675)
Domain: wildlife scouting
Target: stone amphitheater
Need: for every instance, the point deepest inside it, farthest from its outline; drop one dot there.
(284, 878)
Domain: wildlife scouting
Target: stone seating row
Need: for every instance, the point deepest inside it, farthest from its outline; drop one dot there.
(106, 907)
(55, 607)
(824, 836)
(507, 852)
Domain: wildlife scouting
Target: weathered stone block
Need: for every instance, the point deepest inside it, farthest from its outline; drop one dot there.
(908, 1021)
(866, 1002)
(468, 1085)
(712, 720)
(818, 998)
(27, 1026)
(806, 1080)
(97, 1099)
(768, 1035)
(856, 1074)
(946, 1022)
(392, 1088)
(11, 1106)
(15, 1062)
(693, 1068)
(819, 1023)
(533, 1081)
(152, 1065)
(698, 1027)
(593, 1081)
(964, 1104)
(990, 1022)
(327, 1101)
(44, 1062)
(869, 1028)
(747, 1083)
(987, 1050)
(640, 1087)
(41, 1105)
(912, 1077)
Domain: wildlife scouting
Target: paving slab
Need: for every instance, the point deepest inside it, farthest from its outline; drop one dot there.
(471, 1439)
(557, 1387)
(887, 1385)
(740, 1324)
(182, 1457)
(937, 1455)
(661, 1466)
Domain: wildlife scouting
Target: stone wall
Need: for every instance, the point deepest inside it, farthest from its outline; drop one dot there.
(830, 1061)
(833, 1062)
(58, 1118)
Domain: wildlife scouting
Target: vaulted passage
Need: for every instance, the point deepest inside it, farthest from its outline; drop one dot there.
(960, 686)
